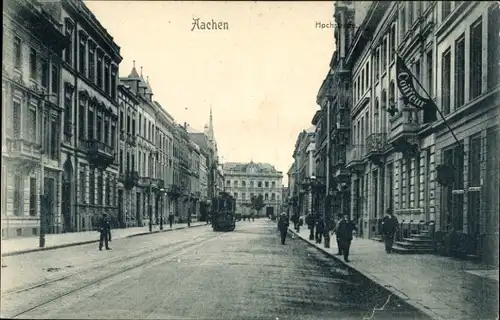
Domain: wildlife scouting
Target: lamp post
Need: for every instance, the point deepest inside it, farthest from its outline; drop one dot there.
(162, 192)
(150, 208)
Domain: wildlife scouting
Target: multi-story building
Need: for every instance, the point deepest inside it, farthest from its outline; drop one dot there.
(33, 41)
(164, 136)
(305, 170)
(246, 180)
(184, 174)
(397, 156)
(90, 104)
(128, 215)
(466, 68)
(194, 184)
(293, 191)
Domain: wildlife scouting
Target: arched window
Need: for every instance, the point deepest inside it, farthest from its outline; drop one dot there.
(384, 99)
(376, 116)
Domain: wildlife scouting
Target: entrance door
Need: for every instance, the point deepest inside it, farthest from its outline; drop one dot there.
(269, 211)
(66, 205)
(121, 219)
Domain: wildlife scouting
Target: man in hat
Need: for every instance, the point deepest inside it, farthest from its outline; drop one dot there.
(283, 226)
(104, 230)
(389, 226)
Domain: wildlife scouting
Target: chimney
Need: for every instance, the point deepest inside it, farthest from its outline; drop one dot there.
(185, 125)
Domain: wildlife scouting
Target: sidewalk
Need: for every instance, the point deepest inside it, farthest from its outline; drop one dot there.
(440, 287)
(54, 241)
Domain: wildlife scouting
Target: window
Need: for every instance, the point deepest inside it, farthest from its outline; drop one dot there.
(33, 202)
(445, 9)
(54, 138)
(68, 114)
(273, 196)
(475, 161)
(367, 74)
(17, 53)
(90, 125)
(55, 80)
(384, 55)
(30, 127)
(106, 131)
(92, 186)
(403, 20)
(68, 51)
(460, 72)
(418, 73)
(113, 135)
(392, 41)
(266, 197)
(362, 81)
(81, 189)
(100, 186)
(99, 70)
(113, 84)
(45, 74)
(476, 59)
(259, 184)
(32, 63)
(376, 64)
(108, 190)
(81, 53)
(91, 63)
(98, 128)
(266, 184)
(430, 74)
(18, 195)
(446, 82)
(493, 46)
(16, 119)
(133, 126)
(106, 78)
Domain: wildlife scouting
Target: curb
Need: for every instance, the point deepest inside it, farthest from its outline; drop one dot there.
(390, 289)
(74, 244)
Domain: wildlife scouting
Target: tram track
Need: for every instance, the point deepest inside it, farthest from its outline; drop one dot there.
(21, 301)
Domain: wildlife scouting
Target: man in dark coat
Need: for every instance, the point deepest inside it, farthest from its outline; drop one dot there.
(171, 219)
(283, 226)
(344, 235)
(320, 229)
(104, 230)
(389, 226)
(339, 245)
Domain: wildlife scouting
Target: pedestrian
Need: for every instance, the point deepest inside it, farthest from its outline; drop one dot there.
(170, 219)
(320, 229)
(283, 226)
(310, 221)
(104, 232)
(345, 228)
(389, 226)
(339, 246)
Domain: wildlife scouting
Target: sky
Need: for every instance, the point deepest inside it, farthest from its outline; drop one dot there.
(261, 75)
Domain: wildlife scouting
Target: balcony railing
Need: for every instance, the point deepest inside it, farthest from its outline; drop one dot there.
(131, 139)
(376, 143)
(355, 155)
(100, 147)
(406, 122)
(342, 119)
(23, 149)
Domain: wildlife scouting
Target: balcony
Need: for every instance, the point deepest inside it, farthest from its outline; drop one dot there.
(101, 154)
(123, 136)
(355, 157)
(131, 179)
(26, 154)
(375, 147)
(404, 130)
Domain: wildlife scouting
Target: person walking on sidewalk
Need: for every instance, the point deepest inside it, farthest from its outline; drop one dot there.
(283, 226)
(344, 233)
(104, 230)
(170, 219)
(339, 246)
(320, 229)
(389, 227)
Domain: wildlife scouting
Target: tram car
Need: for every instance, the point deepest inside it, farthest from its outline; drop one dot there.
(223, 212)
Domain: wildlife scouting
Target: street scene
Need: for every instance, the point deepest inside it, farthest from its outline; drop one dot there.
(250, 160)
(193, 274)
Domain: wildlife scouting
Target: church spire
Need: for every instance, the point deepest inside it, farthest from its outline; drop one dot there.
(211, 126)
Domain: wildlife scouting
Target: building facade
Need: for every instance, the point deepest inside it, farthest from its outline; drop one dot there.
(388, 154)
(90, 131)
(246, 180)
(33, 41)
(305, 166)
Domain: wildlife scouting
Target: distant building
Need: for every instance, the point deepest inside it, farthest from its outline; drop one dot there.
(245, 180)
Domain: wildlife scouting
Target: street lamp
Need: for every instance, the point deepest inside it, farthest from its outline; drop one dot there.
(150, 207)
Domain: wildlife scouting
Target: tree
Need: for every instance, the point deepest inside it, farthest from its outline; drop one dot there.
(257, 203)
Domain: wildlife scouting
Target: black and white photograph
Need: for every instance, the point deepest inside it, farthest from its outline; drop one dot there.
(250, 160)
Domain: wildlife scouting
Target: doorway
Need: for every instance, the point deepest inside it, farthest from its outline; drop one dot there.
(67, 198)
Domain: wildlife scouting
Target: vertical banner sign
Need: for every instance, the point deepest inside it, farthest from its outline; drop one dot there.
(404, 80)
